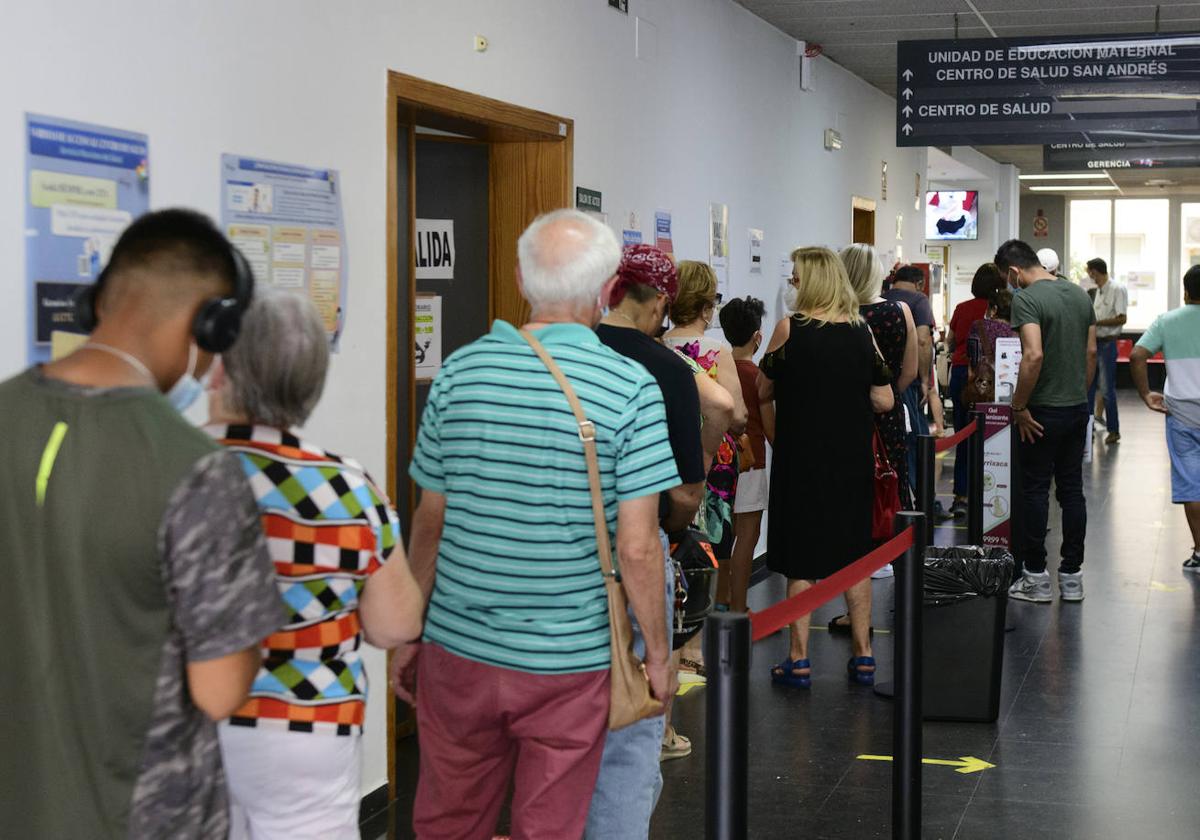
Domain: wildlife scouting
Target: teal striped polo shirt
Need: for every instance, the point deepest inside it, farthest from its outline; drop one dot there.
(518, 581)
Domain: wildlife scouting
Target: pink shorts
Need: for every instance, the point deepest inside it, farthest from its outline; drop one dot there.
(480, 726)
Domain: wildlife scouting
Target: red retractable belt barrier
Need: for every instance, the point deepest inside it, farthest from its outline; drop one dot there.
(955, 439)
(765, 622)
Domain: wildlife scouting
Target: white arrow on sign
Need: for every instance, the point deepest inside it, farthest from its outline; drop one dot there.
(906, 111)
(907, 129)
(907, 93)
(908, 74)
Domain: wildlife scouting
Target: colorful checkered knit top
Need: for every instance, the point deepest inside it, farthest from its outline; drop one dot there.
(328, 528)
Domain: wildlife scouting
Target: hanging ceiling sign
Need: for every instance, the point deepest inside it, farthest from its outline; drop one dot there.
(1075, 157)
(1007, 91)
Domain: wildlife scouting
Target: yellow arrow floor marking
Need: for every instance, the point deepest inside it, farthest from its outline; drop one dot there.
(1158, 586)
(966, 764)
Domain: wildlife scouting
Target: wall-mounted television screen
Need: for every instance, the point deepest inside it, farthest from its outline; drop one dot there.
(952, 214)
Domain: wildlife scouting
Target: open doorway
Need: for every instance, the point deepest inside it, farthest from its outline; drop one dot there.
(490, 168)
(862, 227)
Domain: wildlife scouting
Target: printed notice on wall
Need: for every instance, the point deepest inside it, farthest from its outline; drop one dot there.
(718, 235)
(435, 249)
(756, 257)
(84, 185)
(287, 220)
(427, 335)
(662, 232)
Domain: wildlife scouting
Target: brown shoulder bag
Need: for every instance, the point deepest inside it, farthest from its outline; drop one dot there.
(631, 699)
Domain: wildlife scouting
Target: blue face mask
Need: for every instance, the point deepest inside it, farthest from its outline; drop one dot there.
(187, 389)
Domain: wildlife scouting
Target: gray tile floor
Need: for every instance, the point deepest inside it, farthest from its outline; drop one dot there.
(1099, 730)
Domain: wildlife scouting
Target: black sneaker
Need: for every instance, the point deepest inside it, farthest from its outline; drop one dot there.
(940, 514)
(1192, 564)
(959, 509)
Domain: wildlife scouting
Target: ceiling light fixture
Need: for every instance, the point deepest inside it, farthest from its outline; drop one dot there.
(1067, 176)
(1074, 188)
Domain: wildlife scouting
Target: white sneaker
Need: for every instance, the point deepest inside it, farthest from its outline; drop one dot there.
(1070, 586)
(884, 573)
(1033, 588)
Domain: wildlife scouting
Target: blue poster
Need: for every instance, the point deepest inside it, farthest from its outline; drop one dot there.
(83, 185)
(287, 220)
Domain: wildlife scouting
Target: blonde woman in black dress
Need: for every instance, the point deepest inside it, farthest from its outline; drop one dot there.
(827, 381)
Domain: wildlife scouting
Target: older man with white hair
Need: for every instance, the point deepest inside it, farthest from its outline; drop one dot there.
(512, 677)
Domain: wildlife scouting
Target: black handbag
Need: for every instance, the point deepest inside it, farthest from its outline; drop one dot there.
(695, 582)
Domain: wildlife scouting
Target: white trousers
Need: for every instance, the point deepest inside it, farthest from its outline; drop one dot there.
(291, 785)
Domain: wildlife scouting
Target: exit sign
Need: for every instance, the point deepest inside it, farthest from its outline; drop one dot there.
(620, 5)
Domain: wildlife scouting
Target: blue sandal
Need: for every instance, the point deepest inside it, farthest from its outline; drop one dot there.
(785, 673)
(861, 677)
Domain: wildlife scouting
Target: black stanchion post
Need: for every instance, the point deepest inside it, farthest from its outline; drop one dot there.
(925, 486)
(906, 720)
(975, 484)
(727, 655)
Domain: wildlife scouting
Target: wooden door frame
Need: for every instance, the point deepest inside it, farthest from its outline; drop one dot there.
(413, 102)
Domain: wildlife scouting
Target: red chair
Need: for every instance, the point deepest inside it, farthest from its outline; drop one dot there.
(1125, 347)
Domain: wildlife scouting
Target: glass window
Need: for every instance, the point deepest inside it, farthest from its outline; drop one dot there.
(1139, 258)
(1091, 236)
(1190, 235)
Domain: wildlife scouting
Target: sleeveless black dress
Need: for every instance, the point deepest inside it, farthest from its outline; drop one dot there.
(822, 472)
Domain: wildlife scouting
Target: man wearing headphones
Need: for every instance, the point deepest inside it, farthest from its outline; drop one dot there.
(139, 580)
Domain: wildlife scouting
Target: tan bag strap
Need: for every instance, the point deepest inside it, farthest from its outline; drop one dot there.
(587, 434)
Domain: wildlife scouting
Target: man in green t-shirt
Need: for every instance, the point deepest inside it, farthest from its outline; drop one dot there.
(1057, 326)
(132, 548)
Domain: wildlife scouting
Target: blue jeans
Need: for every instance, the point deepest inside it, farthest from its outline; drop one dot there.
(1057, 455)
(1106, 376)
(958, 379)
(920, 426)
(630, 780)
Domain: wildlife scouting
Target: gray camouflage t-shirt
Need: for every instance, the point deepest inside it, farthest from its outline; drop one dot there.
(136, 546)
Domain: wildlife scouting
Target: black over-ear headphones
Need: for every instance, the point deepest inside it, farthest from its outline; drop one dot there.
(218, 320)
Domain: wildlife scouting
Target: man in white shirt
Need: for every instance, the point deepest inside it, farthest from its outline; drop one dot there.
(1110, 304)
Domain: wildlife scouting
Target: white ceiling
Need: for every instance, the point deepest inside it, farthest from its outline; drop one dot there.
(861, 36)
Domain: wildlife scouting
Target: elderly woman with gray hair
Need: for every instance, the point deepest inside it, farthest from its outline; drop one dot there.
(291, 753)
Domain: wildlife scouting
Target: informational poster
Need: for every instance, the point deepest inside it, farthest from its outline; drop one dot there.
(718, 236)
(84, 184)
(662, 232)
(287, 220)
(631, 237)
(756, 253)
(435, 249)
(1008, 365)
(427, 335)
(997, 474)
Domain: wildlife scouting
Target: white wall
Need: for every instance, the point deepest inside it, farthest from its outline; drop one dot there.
(999, 212)
(716, 117)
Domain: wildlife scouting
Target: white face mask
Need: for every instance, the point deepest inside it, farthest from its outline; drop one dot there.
(791, 293)
(187, 389)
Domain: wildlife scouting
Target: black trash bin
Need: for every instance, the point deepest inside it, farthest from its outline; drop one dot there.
(966, 595)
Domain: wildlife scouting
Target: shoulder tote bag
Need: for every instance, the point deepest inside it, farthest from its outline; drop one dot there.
(887, 492)
(631, 699)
